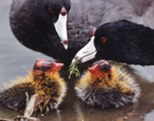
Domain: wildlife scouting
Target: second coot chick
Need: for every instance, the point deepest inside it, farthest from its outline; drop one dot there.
(106, 85)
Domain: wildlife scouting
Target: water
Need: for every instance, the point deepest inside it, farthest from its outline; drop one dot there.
(16, 60)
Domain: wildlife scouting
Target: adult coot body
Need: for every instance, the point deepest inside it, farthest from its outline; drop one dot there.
(33, 25)
(34, 22)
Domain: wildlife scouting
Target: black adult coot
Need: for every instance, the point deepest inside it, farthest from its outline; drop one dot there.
(44, 80)
(34, 27)
(107, 85)
(34, 22)
(122, 41)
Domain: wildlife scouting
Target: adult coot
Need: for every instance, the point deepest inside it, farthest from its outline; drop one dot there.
(122, 41)
(34, 22)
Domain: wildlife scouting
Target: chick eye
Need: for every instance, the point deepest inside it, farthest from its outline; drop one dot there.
(50, 11)
(103, 39)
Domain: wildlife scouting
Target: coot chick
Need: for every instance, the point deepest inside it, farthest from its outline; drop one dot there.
(35, 21)
(107, 85)
(44, 80)
(121, 41)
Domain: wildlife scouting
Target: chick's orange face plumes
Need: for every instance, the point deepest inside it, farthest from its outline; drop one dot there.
(101, 69)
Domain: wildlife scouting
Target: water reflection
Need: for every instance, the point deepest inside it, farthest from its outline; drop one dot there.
(145, 72)
(149, 116)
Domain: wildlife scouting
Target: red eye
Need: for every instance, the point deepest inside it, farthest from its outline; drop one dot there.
(103, 39)
(50, 11)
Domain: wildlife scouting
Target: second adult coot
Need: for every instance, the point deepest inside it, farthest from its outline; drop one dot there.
(121, 41)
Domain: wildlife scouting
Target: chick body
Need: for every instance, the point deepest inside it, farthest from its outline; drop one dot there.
(15, 97)
(49, 86)
(117, 88)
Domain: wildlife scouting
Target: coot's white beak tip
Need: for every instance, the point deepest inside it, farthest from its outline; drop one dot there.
(87, 53)
(65, 44)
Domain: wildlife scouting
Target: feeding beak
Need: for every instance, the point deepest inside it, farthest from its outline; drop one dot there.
(56, 66)
(87, 53)
(61, 27)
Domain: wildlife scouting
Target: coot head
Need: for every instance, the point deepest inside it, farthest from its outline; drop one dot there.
(121, 41)
(43, 13)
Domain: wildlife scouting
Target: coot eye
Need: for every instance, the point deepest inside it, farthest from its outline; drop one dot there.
(103, 39)
(50, 11)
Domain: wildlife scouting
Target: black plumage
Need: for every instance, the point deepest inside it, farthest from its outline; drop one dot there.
(122, 41)
(33, 27)
(126, 42)
(32, 22)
